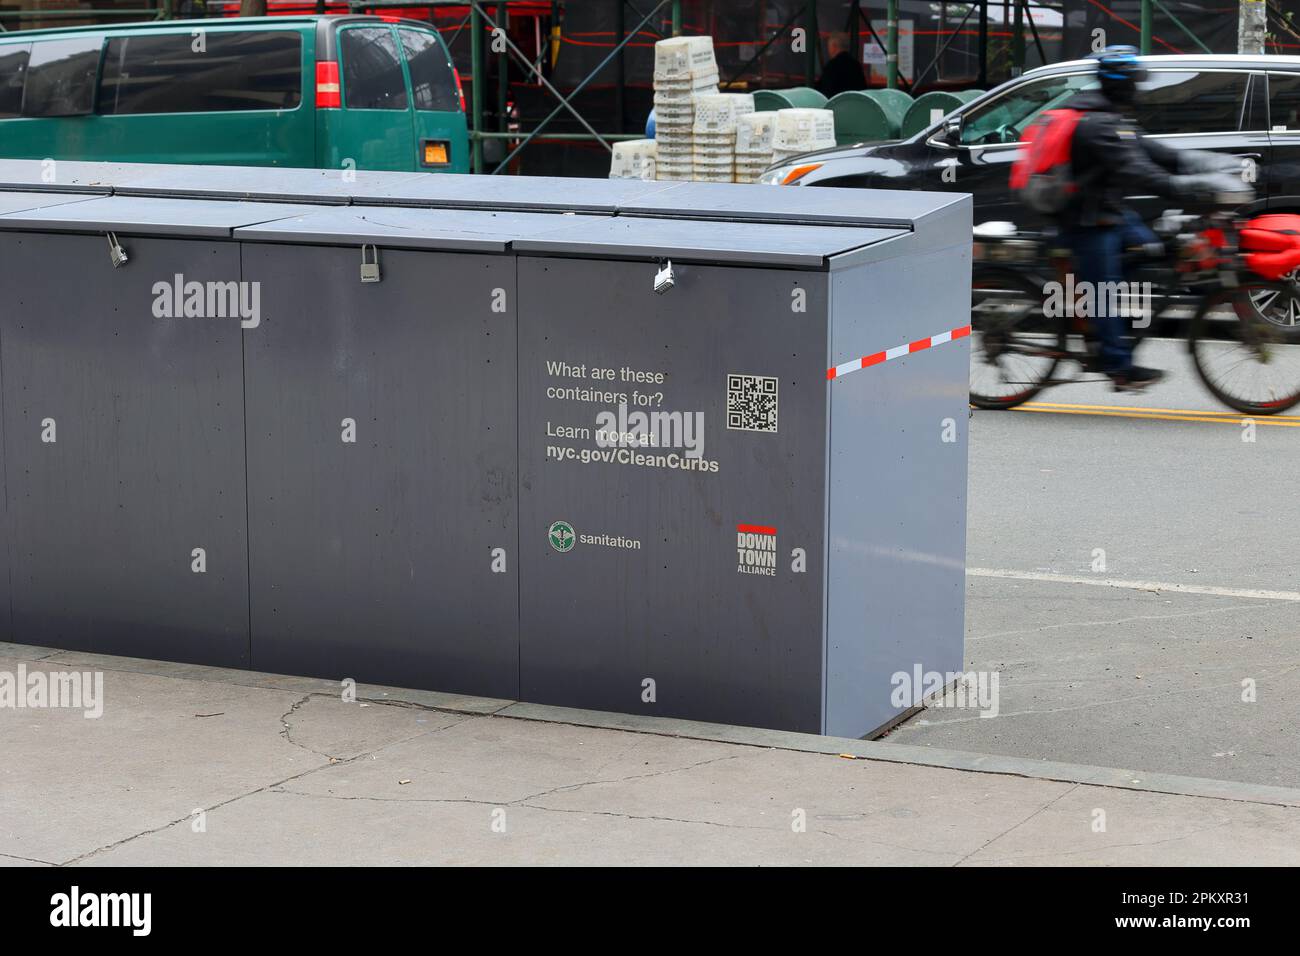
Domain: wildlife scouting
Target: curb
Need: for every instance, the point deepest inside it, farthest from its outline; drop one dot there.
(1111, 777)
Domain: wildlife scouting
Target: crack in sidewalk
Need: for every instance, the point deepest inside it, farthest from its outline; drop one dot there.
(332, 762)
(1016, 826)
(502, 804)
(568, 788)
(26, 859)
(1113, 846)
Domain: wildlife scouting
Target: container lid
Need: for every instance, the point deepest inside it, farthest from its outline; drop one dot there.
(740, 202)
(257, 184)
(52, 176)
(718, 201)
(397, 227)
(23, 201)
(797, 226)
(254, 183)
(135, 215)
(536, 193)
(570, 234)
(801, 247)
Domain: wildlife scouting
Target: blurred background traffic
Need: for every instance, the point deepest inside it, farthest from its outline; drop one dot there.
(549, 86)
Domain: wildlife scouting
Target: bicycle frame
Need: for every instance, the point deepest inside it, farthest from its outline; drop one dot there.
(1042, 259)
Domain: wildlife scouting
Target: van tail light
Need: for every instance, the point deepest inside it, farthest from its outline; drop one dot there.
(327, 85)
(459, 89)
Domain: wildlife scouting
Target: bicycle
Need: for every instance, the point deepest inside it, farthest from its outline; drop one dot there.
(1243, 334)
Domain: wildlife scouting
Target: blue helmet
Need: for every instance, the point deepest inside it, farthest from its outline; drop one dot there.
(1120, 66)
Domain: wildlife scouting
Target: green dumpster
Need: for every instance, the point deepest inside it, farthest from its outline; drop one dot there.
(920, 113)
(862, 116)
(797, 97)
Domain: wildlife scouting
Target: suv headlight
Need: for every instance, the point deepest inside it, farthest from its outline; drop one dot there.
(787, 175)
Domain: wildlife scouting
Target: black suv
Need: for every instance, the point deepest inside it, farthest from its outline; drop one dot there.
(1248, 106)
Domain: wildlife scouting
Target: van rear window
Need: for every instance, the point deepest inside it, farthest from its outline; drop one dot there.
(211, 71)
(13, 71)
(372, 69)
(432, 81)
(61, 77)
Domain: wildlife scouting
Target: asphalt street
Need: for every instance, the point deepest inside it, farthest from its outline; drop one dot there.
(1132, 576)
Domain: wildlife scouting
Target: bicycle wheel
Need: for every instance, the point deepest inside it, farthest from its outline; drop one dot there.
(1014, 346)
(1245, 343)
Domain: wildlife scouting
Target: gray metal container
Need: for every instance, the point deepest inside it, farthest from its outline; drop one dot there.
(791, 541)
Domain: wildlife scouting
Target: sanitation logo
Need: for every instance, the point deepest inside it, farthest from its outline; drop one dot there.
(755, 549)
(562, 537)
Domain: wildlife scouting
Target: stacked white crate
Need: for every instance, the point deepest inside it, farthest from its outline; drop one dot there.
(753, 145)
(801, 131)
(684, 68)
(633, 159)
(716, 114)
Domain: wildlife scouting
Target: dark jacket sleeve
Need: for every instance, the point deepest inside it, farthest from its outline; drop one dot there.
(1128, 157)
(1162, 155)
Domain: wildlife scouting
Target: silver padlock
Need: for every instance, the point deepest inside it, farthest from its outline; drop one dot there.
(665, 278)
(369, 268)
(116, 254)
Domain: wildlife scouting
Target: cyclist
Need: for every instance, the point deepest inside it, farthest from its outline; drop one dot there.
(1110, 159)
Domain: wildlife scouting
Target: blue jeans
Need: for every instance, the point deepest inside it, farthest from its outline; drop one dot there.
(1099, 257)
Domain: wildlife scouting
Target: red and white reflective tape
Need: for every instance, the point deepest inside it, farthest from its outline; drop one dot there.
(897, 351)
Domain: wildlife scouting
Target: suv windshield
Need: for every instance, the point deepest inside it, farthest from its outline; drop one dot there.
(1004, 120)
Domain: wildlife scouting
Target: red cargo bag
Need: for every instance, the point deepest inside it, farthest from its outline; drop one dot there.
(1271, 244)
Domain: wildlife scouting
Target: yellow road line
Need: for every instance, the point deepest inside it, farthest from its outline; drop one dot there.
(1103, 411)
(1235, 416)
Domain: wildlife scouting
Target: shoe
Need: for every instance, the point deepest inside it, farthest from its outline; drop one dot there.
(1136, 378)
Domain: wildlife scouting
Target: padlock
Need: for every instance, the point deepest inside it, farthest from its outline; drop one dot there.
(369, 269)
(116, 254)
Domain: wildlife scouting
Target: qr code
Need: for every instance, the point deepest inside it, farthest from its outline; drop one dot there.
(751, 403)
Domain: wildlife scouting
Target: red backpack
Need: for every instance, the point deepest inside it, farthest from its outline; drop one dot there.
(1041, 175)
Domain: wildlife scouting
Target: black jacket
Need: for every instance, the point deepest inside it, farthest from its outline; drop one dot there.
(842, 73)
(1111, 159)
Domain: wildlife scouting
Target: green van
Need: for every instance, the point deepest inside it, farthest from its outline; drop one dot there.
(362, 92)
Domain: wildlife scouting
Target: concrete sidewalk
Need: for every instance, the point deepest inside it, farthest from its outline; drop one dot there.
(195, 765)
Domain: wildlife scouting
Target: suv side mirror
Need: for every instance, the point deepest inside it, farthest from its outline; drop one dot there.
(952, 130)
